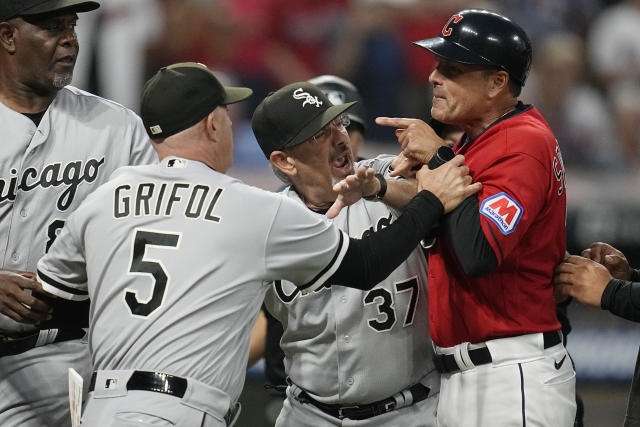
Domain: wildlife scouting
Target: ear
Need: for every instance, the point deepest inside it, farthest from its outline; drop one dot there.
(498, 82)
(284, 162)
(7, 37)
(211, 125)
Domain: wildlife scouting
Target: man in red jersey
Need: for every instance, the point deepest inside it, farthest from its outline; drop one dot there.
(492, 311)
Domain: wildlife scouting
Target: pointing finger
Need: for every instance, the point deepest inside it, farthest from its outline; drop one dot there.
(396, 122)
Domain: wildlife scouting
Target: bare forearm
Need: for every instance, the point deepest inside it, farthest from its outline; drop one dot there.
(399, 193)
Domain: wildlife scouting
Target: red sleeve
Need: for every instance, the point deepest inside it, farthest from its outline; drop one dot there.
(514, 190)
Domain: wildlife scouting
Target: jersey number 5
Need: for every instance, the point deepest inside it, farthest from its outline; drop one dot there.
(154, 268)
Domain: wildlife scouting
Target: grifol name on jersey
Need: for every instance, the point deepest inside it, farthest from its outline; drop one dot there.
(70, 175)
(196, 201)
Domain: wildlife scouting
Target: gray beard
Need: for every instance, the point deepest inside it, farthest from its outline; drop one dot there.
(61, 80)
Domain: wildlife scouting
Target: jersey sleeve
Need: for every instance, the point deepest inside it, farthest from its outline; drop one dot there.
(514, 191)
(303, 248)
(62, 271)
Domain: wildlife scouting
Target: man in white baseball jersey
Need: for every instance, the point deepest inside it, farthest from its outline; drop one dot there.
(353, 357)
(176, 258)
(58, 145)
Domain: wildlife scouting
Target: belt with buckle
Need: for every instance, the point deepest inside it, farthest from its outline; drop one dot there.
(446, 363)
(12, 345)
(419, 392)
(159, 383)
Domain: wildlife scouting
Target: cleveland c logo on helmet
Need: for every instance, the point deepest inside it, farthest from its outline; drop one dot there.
(446, 31)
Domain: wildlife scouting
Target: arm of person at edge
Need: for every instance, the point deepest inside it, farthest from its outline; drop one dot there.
(601, 277)
(364, 184)
(372, 258)
(419, 142)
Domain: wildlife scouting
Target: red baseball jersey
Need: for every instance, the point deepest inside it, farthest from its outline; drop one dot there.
(523, 216)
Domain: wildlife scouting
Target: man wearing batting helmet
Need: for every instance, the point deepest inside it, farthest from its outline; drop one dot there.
(491, 306)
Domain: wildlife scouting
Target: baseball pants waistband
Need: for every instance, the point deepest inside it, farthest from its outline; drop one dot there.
(12, 345)
(195, 394)
(467, 356)
(408, 397)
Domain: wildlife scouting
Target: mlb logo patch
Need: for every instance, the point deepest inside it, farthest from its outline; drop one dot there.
(503, 211)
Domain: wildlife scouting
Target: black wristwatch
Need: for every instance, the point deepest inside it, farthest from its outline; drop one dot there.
(441, 156)
(383, 189)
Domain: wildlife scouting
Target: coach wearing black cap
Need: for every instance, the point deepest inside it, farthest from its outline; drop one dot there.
(184, 109)
(492, 310)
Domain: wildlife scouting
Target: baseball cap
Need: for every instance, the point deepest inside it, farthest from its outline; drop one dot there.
(339, 91)
(180, 95)
(292, 115)
(13, 8)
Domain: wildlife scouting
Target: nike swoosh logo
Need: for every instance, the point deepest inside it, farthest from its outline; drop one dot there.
(558, 365)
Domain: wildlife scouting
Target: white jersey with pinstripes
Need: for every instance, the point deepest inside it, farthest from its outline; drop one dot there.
(343, 345)
(176, 259)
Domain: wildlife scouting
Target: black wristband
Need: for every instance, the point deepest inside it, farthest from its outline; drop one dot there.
(383, 188)
(441, 156)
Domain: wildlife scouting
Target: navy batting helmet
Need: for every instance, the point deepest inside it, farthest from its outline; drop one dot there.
(475, 36)
(341, 91)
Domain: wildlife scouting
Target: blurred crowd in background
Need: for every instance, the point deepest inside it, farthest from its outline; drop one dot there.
(585, 78)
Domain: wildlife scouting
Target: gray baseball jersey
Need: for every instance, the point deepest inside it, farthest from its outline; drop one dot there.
(45, 172)
(344, 345)
(176, 259)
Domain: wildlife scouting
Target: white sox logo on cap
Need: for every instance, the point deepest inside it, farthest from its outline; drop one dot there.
(308, 98)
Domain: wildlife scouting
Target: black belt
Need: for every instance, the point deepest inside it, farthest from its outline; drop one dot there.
(10, 346)
(159, 383)
(446, 363)
(362, 412)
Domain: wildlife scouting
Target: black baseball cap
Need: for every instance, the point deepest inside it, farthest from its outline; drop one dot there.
(292, 115)
(180, 95)
(12, 8)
